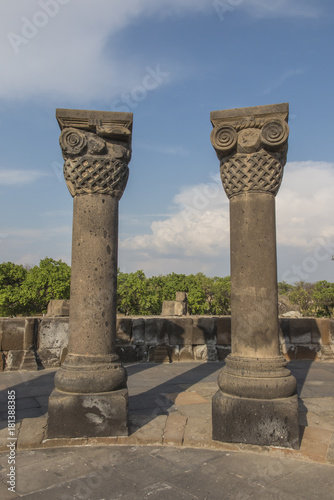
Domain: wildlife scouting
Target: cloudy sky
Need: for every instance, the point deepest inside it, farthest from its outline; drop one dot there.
(170, 62)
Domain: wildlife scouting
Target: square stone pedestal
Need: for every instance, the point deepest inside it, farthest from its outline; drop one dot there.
(87, 415)
(264, 422)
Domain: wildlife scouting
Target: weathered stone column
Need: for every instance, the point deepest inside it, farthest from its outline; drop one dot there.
(90, 396)
(256, 402)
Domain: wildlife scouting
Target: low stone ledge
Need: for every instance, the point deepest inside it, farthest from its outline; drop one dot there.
(12, 334)
(201, 338)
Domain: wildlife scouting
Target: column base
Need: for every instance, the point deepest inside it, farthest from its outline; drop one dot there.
(73, 415)
(264, 422)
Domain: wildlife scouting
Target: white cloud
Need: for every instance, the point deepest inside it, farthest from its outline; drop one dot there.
(60, 51)
(199, 226)
(67, 56)
(198, 231)
(305, 204)
(12, 177)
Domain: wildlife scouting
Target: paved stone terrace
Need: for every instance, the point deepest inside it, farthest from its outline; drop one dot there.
(170, 404)
(169, 453)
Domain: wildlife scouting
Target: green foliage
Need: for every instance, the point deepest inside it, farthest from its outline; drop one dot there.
(11, 278)
(284, 288)
(323, 297)
(138, 295)
(302, 295)
(28, 292)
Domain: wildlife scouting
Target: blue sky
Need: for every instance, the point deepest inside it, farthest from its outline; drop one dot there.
(170, 62)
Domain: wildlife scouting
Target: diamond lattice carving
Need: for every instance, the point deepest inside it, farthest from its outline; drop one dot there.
(96, 175)
(260, 172)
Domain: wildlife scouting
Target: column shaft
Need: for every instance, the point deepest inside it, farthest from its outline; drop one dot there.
(94, 275)
(253, 275)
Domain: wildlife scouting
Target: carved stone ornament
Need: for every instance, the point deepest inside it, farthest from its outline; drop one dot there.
(96, 148)
(251, 144)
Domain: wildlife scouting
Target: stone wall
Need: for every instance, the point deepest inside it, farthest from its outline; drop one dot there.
(32, 343)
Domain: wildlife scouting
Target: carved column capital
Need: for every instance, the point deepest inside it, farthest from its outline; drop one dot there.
(96, 148)
(251, 144)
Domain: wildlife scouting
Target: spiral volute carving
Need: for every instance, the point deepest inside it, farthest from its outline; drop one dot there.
(274, 133)
(224, 138)
(72, 141)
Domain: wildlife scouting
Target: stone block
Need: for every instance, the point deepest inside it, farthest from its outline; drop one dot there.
(14, 360)
(138, 331)
(284, 331)
(2, 361)
(144, 430)
(88, 415)
(31, 432)
(263, 422)
(31, 326)
(29, 361)
(155, 331)
(301, 330)
(123, 330)
(53, 333)
(206, 352)
(181, 296)
(198, 433)
(223, 351)
(298, 351)
(127, 354)
(322, 334)
(204, 330)
(224, 330)
(58, 308)
(49, 358)
(331, 330)
(174, 429)
(161, 354)
(12, 333)
(186, 353)
(180, 331)
(173, 308)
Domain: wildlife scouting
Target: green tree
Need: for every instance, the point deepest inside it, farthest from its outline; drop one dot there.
(48, 281)
(12, 277)
(323, 297)
(302, 294)
(221, 291)
(284, 288)
(131, 293)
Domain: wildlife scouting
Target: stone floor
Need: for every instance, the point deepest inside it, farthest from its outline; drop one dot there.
(169, 452)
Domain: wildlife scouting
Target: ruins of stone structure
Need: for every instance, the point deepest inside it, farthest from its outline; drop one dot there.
(256, 402)
(177, 307)
(58, 308)
(90, 396)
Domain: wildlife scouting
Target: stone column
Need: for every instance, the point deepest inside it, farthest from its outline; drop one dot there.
(90, 396)
(256, 402)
